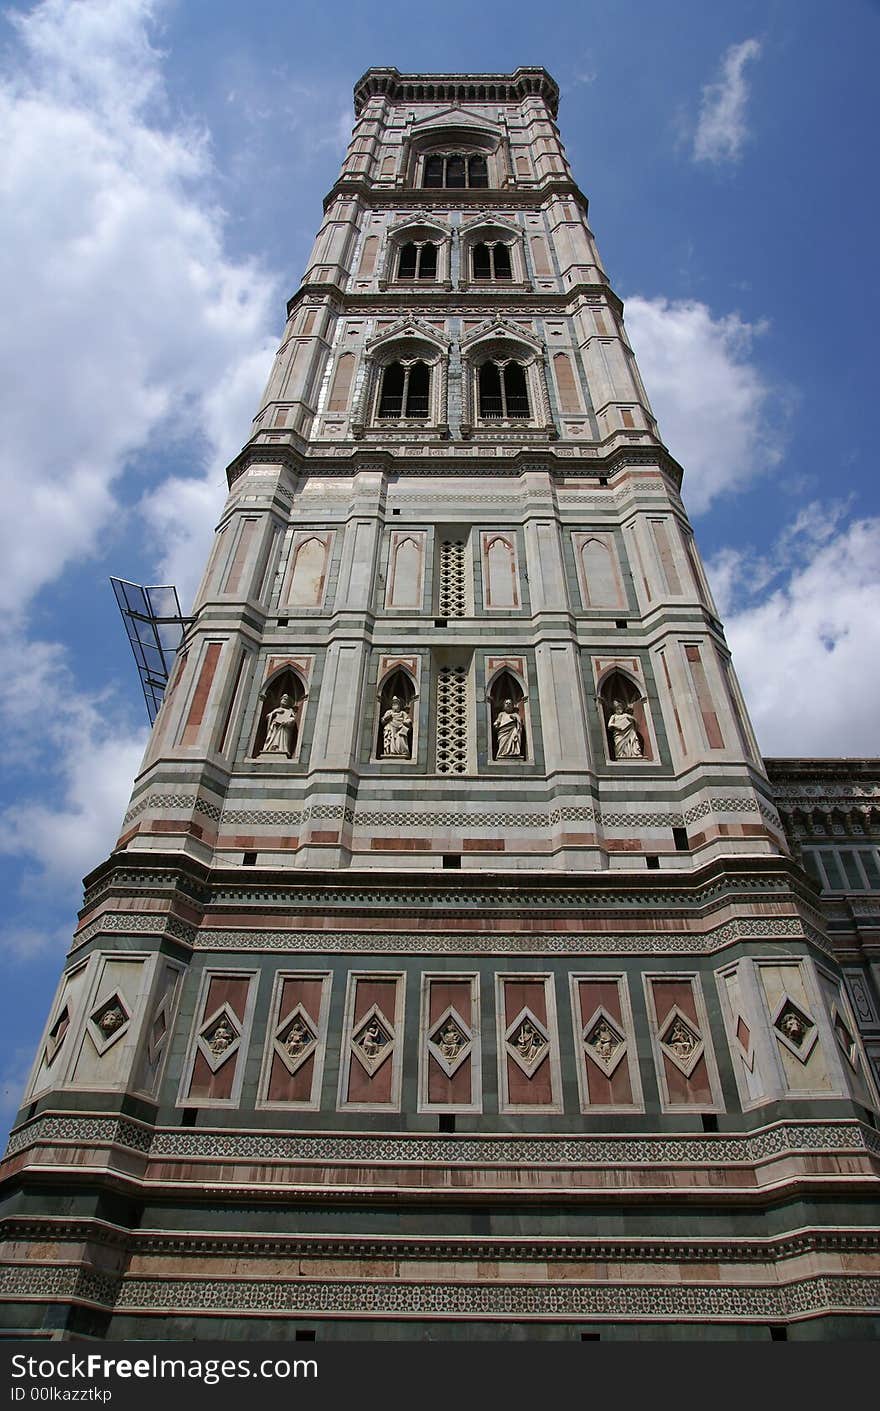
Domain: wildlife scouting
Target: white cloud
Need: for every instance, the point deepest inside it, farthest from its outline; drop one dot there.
(123, 315)
(803, 623)
(84, 752)
(717, 413)
(721, 129)
(126, 326)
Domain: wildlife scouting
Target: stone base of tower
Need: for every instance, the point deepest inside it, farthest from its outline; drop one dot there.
(584, 1109)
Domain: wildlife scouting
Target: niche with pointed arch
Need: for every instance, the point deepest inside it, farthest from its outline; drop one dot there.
(395, 725)
(507, 718)
(279, 728)
(624, 720)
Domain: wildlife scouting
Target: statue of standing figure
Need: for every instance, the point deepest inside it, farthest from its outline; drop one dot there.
(281, 728)
(508, 732)
(625, 740)
(396, 727)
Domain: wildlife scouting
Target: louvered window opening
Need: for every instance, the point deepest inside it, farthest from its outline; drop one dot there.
(452, 720)
(405, 391)
(455, 169)
(492, 261)
(452, 597)
(417, 261)
(503, 392)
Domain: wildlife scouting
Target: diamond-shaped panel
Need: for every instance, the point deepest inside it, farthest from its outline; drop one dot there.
(295, 1039)
(527, 1042)
(681, 1042)
(108, 1021)
(604, 1042)
(373, 1040)
(450, 1041)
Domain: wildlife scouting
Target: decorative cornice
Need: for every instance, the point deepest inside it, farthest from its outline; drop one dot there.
(408, 88)
(534, 1248)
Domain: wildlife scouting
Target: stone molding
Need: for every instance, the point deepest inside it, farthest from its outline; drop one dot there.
(638, 1249)
(706, 1150)
(801, 1298)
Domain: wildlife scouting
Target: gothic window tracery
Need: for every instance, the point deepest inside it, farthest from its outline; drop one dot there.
(491, 260)
(455, 170)
(417, 260)
(405, 390)
(502, 390)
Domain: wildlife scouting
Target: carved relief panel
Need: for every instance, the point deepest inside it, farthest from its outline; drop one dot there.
(529, 1077)
(113, 1012)
(793, 1012)
(296, 1039)
(371, 1061)
(604, 1041)
(687, 1073)
(214, 1069)
(450, 1071)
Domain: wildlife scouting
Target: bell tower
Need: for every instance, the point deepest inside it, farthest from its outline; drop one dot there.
(451, 971)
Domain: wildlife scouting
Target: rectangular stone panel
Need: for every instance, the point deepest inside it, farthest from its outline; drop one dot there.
(605, 1043)
(296, 1040)
(371, 1058)
(214, 1068)
(528, 1044)
(449, 1044)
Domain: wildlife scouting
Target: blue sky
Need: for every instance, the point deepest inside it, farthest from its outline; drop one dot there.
(163, 166)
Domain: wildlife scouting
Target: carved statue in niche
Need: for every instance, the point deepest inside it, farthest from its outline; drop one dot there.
(396, 729)
(508, 732)
(281, 728)
(508, 735)
(395, 717)
(619, 700)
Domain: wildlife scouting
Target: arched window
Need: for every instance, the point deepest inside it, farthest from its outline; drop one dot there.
(492, 261)
(405, 390)
(417, 260)
(454, 170)
(503, 393)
